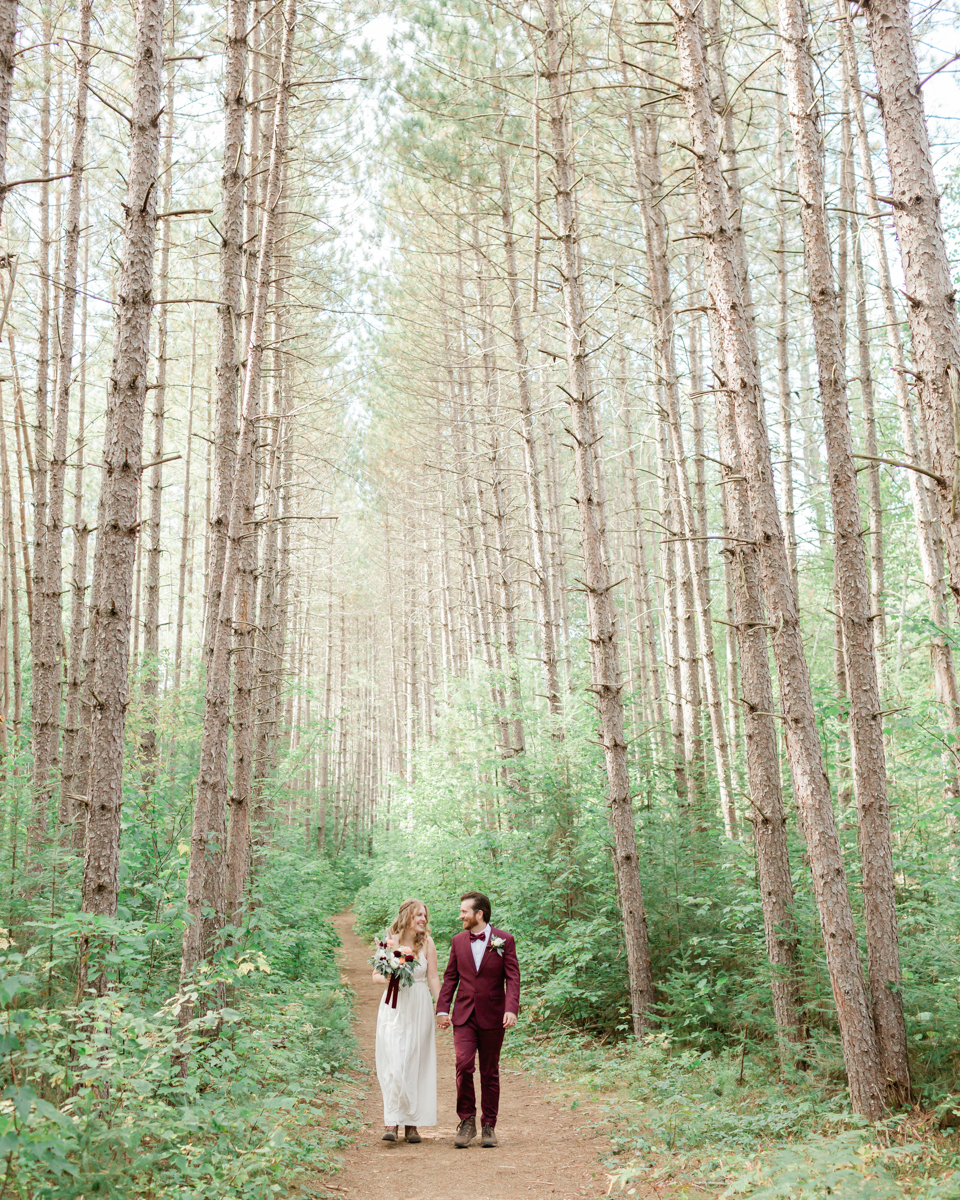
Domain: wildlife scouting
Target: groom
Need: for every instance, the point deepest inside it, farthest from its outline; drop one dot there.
(484, 972)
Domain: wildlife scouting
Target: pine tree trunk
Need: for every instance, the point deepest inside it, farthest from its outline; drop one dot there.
(229, 305)
(204, 886)
(601, 614)
(923, 502)
(69, 784)
(769, 818)
(185, 519)
(50, 672)
(150, 673)
(929, 287)
(8, 37)
(541, 570)
(12, 582)
(117, 523)
(46, 626)
(858, 1036)
(783, 355)
(650, 189)
(866, 725)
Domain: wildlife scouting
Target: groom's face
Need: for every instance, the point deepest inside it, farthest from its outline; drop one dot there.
(470, 917)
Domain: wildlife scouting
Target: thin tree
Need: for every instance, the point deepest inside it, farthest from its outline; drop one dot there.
(812, 791)
(863, 689)
(929, 287)
(117, 522)
(601, 613)
(211, 781)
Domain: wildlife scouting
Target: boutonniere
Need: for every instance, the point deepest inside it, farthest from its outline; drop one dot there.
(497, 943)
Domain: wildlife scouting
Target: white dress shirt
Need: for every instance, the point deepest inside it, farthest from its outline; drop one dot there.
(478, 946)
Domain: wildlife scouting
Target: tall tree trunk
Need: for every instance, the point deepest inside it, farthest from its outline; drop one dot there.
(858, 1035)
(69, 784)
(528, 433)
(211, 781)
(46, 628)
(929, 287)
(8, 37)
(923, 502)
(120, 493)
(601, 613)
(47, 665)
(150, 677)
(768, 818)
(866, 724)
(783, 354)
(229, 304)
(650, 194)
(12, 581)
(185, 519)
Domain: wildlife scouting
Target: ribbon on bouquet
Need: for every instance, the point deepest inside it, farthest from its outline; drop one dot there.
(393, 991)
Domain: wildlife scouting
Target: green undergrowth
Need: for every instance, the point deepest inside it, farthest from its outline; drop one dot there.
(729, 1125)
(114, 1098)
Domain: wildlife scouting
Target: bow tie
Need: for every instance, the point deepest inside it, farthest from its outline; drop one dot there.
(478, 937)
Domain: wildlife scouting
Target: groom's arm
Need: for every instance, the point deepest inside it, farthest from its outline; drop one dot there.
(511, 968)
(451, 977)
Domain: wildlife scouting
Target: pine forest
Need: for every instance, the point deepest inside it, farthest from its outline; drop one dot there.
(480, 444)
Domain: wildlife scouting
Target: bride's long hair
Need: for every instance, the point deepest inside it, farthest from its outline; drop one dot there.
(404, 920)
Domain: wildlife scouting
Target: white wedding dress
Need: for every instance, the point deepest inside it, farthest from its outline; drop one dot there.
(407, 1054)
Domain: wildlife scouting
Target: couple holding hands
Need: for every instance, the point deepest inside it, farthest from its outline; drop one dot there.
(484, 974)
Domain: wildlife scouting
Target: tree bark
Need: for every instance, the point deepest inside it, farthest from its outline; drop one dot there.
(211, 781)
(528, 433)
(601, 614)
(8, 37)
(866, 724)
(69, 785)
(923, 501)
(47, 666)
(117, 523)
(150, 675)
(46, 626)
(185, 518)
(230, 303)
(858, 1035)
(929, 287)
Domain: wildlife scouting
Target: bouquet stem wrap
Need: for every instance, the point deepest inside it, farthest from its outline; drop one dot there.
(392, 994)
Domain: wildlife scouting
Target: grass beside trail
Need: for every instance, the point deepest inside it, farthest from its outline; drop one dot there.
(727, 1126)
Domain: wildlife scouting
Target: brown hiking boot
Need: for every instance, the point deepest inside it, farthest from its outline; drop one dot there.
(466, 1132)
(489, 1137)
(410, 1132)
(389, 1133)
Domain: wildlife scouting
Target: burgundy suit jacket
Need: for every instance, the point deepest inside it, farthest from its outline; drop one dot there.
(486, 993)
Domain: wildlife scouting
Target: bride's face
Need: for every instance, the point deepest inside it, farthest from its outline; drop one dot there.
(419, 922)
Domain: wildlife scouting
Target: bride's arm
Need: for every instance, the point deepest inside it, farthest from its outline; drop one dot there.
(433, 975)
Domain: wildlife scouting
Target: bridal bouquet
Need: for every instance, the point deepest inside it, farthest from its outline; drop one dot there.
(395, 964)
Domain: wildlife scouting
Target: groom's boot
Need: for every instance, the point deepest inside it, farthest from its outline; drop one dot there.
(489, 1137)
(466, 1132)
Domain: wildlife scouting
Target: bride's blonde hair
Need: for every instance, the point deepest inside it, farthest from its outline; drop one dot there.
(404, 920)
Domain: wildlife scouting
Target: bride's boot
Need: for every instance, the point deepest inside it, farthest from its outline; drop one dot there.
(389, 1133)
(411, 1134)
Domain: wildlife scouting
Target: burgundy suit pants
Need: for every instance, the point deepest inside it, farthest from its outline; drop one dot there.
(470, 1043)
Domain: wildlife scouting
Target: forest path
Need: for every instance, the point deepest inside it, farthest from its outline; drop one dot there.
(543, 1152)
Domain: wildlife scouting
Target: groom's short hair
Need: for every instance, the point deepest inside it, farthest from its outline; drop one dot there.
(480, 902)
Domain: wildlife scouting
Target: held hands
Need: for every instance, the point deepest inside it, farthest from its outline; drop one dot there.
(509, 1020)
(443, 1021)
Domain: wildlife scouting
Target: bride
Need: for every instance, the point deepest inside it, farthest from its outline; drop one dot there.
(406, 1045)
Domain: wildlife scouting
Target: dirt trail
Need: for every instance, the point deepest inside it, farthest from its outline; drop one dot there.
(542, 1152)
